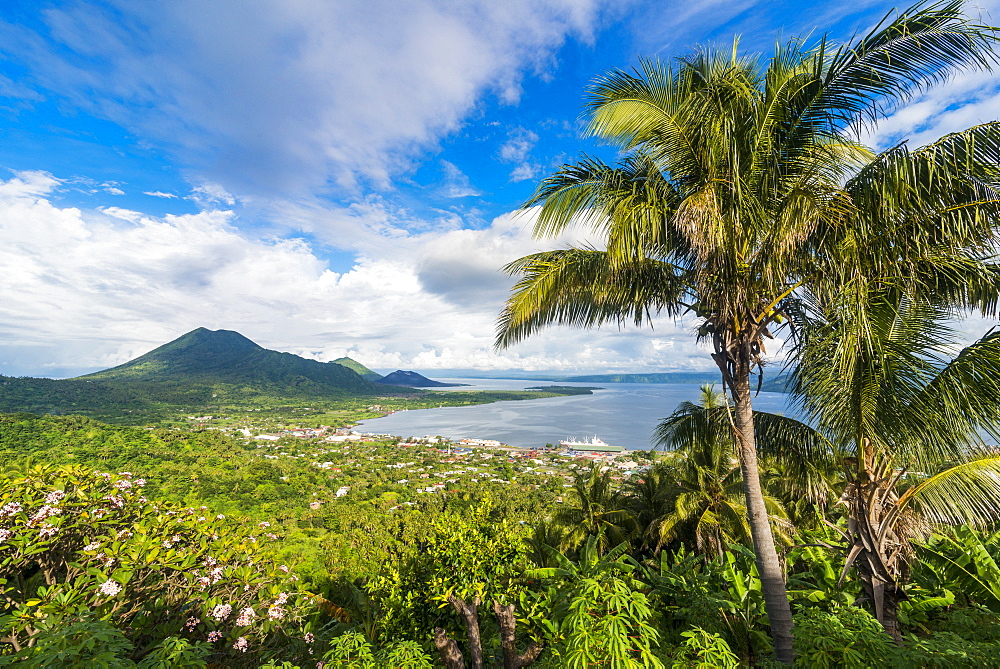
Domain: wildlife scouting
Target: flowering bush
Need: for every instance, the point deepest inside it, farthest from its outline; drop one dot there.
(76, 544)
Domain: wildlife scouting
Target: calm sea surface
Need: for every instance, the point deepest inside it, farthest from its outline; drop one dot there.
(622, 414)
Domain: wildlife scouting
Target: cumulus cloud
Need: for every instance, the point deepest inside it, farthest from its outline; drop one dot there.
(279, 97)
(125, 282)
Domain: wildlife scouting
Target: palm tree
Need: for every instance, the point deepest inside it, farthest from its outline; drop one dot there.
(743, 190)
(700, 497)
(598, 510)
(907, 426)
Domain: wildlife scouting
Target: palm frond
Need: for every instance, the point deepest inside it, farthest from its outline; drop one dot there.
(586, 288)
(968, 493)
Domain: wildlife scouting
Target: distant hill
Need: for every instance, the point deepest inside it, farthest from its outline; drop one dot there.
(660, 377)
(413, 380)
(199, 369)
(358, 368)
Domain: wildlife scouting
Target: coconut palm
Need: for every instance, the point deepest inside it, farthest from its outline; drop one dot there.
(700, 497)
(909, 426)
(596, 510)
(743, 189)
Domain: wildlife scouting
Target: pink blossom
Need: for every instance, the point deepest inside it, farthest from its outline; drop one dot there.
(282, 598)
(123, 485)
(309, 637)
(106, 476)
(175, 538)
(271, 536)
(210, 561)
(283, 568)
(191, 622)
(247, 616)
(54, 497)
(241, 645)
(110, 588)
(220, 517)
(167, 544)
(201, 519)
(5, 535)
(140, 482)
(92, 546)
(123, 534)
(100, 513)
(47, 531)
(216, 574)
(222, 611)
(127, 475)
(265, 524)
(204, 582)
(214, 635)
(275, 613)
(314, 505)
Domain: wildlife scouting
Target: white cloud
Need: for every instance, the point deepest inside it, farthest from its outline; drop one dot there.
(158, 193)
(125, 282)
(524, 171)
(456, 183)
(520, 142)
(287, 97)
(114, 190)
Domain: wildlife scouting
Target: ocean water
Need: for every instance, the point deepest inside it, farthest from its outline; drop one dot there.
(622, 414)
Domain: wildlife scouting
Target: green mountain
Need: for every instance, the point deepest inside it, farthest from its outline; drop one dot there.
(223, 357)
(358, 368)
(197, 371)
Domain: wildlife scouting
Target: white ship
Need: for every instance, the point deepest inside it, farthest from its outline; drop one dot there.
(593, 444)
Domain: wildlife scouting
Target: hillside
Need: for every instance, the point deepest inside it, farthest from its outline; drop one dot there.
(358, 368)
(200, 370)
(213, 357)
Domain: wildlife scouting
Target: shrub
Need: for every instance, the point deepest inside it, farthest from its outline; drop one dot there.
(846, 637)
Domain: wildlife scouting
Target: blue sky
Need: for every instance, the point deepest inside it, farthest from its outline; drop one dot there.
(330, 178)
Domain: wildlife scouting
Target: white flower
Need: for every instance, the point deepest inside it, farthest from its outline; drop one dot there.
(241, 645)
(47, 531)
(5, 535)
(222, 611)
(10, 509)
(54, 497)
(123, 485)
(140, 482)
(93, 546)
(247, 616)
(110, 588)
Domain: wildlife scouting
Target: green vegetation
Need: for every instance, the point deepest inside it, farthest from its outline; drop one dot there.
(358, 369)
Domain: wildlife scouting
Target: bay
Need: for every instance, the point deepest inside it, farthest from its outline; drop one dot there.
(622, 414)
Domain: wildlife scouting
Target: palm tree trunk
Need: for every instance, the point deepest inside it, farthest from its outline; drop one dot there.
(772, 579)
